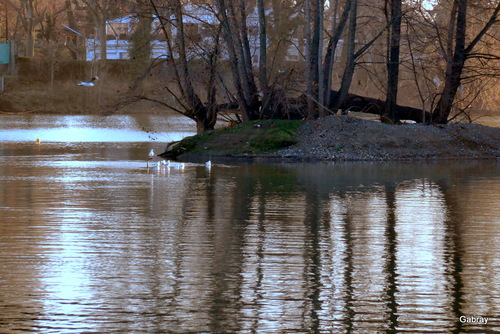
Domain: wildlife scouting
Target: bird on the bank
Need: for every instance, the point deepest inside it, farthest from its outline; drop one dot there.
(89, 83)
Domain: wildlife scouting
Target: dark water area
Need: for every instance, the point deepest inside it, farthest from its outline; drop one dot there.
(92, 241)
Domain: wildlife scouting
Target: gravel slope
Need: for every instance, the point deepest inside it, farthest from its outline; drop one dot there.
(350, 138)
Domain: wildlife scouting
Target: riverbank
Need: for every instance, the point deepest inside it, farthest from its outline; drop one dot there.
(40, 87)
(343, 138)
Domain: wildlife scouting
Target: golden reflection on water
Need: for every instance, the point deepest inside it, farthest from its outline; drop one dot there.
(92, 241)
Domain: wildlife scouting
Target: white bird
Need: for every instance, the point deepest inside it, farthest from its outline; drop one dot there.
(151, 156)
(89, 83)
(208, 164)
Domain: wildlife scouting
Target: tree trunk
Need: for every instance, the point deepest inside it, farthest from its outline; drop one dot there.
(393, 61)
(140, 47)
(337, 30)
(351, 59)
(30, 42)
(251, 94)
(321, 74)
(30, 28)
(101, 33)
(262, 49)
(73, 44)
(197, 110)
(456, 64)
(245, 46)
(455, 67)
(314, 20)
(309, 74)
(235, 37)
(211, 113)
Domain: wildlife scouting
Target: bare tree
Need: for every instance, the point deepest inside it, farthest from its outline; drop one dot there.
(457, 54)
(140, 48)
(30, 19)
(235, 35)
(205, 115)
(97, 11)
(74, 44)
(101, 11)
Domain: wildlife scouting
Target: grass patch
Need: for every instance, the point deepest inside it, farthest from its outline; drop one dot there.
(189, 144)
(255, 137)
(279, 135)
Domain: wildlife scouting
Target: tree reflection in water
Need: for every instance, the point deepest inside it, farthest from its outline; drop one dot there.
(93, 242)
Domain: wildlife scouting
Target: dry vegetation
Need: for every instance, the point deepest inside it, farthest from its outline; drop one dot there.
(116, 91)
(32, 90)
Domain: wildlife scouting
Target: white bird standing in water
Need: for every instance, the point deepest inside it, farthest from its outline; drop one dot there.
(89, 83)
(208, 164)
(151, 156)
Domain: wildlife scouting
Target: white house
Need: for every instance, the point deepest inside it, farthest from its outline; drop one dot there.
(118, 33)
(197, 22)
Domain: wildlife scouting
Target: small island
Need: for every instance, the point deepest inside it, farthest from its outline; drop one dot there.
(340, 138)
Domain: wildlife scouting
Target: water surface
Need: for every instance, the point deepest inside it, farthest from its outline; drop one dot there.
(92, 241)
(94, 128)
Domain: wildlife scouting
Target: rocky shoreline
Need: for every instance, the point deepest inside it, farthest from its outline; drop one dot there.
(349, 138)
(345, 138)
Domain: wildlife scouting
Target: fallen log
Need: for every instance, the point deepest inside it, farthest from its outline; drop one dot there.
(296, 107)
(371, 105)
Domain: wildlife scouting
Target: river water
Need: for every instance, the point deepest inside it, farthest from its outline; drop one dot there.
(93, 241)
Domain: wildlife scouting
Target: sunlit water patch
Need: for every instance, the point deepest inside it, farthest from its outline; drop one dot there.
(120, 128)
